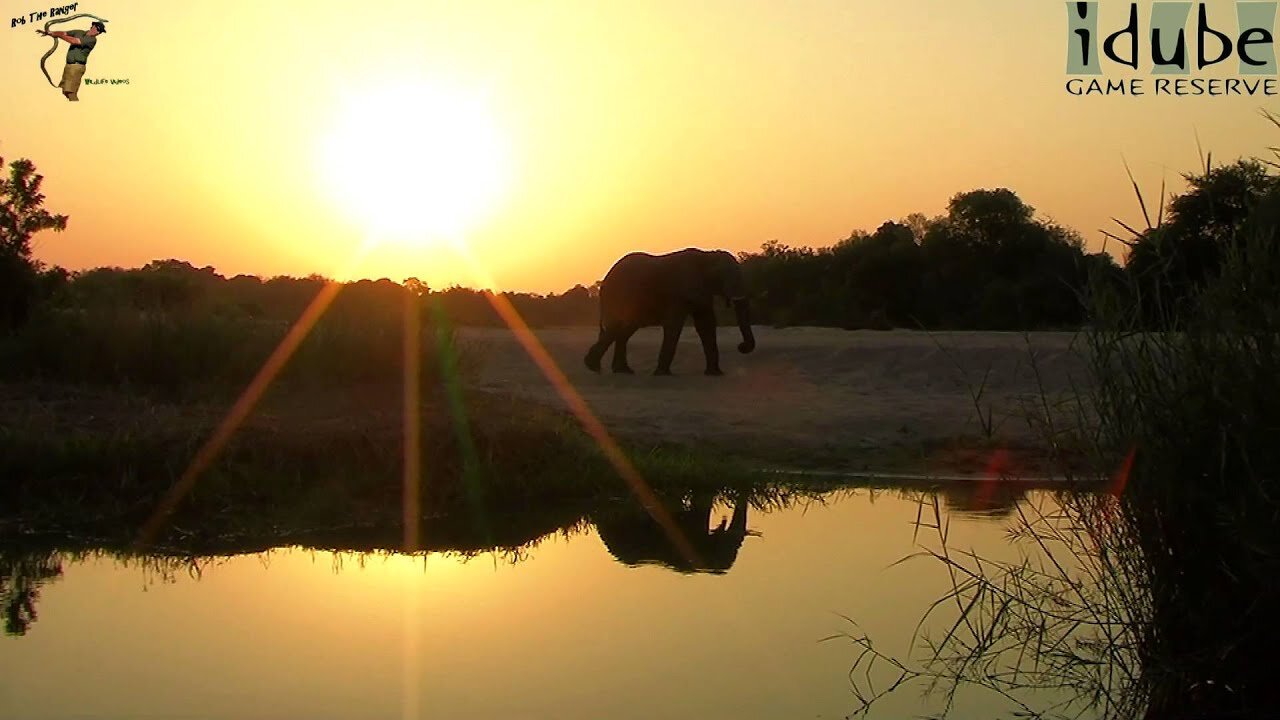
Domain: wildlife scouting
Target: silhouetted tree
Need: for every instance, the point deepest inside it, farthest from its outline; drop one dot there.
(22, 215)
(987, 264)
(1170, 264)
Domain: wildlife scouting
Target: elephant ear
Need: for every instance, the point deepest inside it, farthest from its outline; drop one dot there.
(731, 281)
(704, 275)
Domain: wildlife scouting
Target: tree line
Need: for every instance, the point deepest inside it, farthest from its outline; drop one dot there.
(988, 263)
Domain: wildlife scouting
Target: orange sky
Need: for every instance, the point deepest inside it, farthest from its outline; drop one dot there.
(628, 126)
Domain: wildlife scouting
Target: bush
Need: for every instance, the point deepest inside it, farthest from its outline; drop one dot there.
(21, 217)
(1155, 598)
(195, 351)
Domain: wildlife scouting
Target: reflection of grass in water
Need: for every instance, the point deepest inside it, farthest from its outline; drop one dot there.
(25, 569)
(512, 531)
(29, 561)
(1158, 600)
(1019, 629)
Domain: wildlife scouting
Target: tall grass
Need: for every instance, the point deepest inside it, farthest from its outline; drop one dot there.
(1200, 407)
(196, 352)
(1159, 598)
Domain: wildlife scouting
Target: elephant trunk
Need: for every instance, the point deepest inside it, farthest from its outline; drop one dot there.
(743, 311)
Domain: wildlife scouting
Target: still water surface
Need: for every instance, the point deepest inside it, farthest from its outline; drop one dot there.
(566, 630)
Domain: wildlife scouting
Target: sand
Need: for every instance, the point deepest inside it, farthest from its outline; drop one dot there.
(829, 396)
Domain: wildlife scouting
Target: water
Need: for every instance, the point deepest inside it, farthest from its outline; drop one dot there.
(561, 629)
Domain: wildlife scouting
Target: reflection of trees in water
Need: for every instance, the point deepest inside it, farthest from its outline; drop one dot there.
(713, 523)
(633, 537)
(25, 569)
(344, 558)
(25, 572)
(21, 577)
(991, 498)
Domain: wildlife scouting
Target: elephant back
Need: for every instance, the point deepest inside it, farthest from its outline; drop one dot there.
(636, 290)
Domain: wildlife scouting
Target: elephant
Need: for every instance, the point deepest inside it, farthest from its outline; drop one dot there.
(643, 290)
(634, 538)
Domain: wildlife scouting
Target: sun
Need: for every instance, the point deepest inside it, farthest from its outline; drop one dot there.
(415, 163)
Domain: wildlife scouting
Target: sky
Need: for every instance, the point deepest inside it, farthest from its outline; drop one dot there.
(603, 126)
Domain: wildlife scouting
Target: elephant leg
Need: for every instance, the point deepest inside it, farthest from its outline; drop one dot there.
(704, 321)
(671, 329)
(700, 505)
(620, 352)
(739, 523)
(597, 351)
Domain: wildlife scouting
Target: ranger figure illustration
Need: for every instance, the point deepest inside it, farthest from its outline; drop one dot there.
(82, 43)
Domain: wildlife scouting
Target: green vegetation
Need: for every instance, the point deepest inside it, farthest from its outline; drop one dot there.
(201, 351)
(112, 381)
(98, 462)
(1201, 409)
(21, 217)
(1155, 600)
(988, 264)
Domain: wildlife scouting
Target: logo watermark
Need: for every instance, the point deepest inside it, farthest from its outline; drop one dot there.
(1172, 52)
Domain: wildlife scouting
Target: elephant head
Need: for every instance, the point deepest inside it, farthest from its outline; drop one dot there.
(724, 277)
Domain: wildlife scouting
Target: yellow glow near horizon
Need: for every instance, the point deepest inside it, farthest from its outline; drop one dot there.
(415, 163)
(630, 126)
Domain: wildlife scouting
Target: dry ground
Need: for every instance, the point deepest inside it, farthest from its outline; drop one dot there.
(814, 395)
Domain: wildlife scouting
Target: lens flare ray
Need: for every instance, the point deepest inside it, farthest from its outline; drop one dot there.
(578, 406)
(452, 380)
(239, 411)
(412, 500)
(247, 401)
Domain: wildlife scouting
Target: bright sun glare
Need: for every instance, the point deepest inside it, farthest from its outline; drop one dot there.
(415, 163)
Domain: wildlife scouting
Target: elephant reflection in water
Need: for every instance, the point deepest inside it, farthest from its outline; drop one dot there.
(635, 538)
